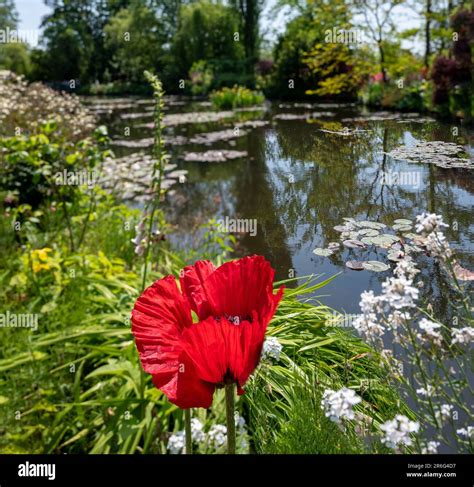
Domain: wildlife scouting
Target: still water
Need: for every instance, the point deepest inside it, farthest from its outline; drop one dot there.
(302, 175)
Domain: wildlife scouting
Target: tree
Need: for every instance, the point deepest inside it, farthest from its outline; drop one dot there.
(377, 15)
(249, 12)
(8, 15)
(135, 37)
(206, 32)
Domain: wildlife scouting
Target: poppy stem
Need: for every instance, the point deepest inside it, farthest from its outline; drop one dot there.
(229, 402)
(187, 429)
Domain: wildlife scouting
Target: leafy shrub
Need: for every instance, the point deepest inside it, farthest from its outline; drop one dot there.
(201, 76)
(235, 97)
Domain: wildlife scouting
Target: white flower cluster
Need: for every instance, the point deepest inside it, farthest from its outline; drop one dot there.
(444, 413)
(429, 222)
(398, 295)
(176, 443)
(426, 391)
(466, 432)
(430, 226)
(140, 240)
(271, 349)
(218, 435)
(397, 431)
(429, 332)
(463, 336)
(197, 432)
(431, 448)
(338, 404)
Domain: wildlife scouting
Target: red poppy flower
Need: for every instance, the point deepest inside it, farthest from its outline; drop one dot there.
(234, 304)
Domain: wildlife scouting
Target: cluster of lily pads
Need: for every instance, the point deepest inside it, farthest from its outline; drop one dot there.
(364, 234)
(441, 154)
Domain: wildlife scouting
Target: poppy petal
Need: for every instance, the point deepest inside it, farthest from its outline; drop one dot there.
(192, 279)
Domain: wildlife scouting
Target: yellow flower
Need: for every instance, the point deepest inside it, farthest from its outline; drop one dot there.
(39, 260)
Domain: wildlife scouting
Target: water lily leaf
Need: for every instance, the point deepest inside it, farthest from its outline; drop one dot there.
(409, 235)
(395, 256)
(333, 246)
(373, 225)
(322, 252)
(375, 266)
(384, 240)
(342, 228)
(367, 240)
(403, 221)
(402, 228)
(354, 265)
(369, 232)
(354, 244)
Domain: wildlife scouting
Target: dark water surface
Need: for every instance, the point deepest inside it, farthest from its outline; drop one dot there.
(298, 182)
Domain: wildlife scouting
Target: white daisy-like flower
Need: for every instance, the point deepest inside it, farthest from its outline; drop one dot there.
(368, 302)
(338, 404)
(176, 443)
(271, 348)
(397, 431)
(463, 336)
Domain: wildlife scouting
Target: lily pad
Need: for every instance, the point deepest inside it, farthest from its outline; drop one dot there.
(355, 265)
(333, 246)
(375, 266)
(367, 240)
(369, 232)
(373, 225)
(354, 244)
(342, 228)
(400, 227)
(403, 221)
(322, 252)
(410, 235)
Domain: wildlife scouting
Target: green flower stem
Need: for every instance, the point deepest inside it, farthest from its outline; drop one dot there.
(229, 402)
(187, 429)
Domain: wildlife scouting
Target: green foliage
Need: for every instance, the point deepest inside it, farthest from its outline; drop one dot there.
(206, 32)
(235, 97)
(317, 354)
(129, 36)
(15, 57)
(202, 77)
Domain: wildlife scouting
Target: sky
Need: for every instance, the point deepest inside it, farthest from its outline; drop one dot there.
(31, 12)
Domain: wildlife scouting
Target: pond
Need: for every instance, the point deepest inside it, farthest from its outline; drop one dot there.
(305, 167)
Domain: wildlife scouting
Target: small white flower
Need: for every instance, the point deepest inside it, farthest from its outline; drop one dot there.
(429, 332)
(338, 404)
(397, 431)
(271, 348)
(239, 422)
(428, 391)
(429, 222)
(444, 413)
(466, 432)
(176, 443)
(431, 448)
(218, 435)
(368, 302)
(197, 433)
(406, 268)
(399, 292)
(463, 336)
(369, 326)
(437, 245)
